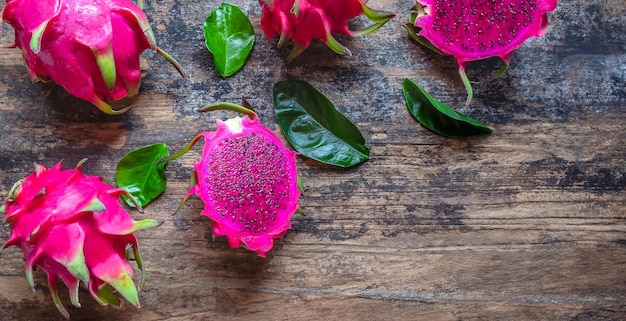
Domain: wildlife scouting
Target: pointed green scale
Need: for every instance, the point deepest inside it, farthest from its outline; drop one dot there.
(14, 190)
(41, 192)
(78, 266)
(94, 206)
(295, 52)
(172, 61)
(77, 173)
(412, 31)
(229, 106)
(367, 30)
(28, 271)
(140, 265)
(14, 213)
(115, 192)
(184, 150)
(35, 40)
(28, 266)
(7, 220)
(149, 34)
(378, 17)
(124, 192)
(106, 295)
(193, 187)
(468, 86)
(507, 62)
(74, 289)
(106, 108)
(296, 8)
(300, 184)
(39, 169)
(106, 64)
(124, 284)
(35, 231)
(13, 240)
(52, 285)
(335, 46)
(142, 224)
(283, 38)
(79, 165)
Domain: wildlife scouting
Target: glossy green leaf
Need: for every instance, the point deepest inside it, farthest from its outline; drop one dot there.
(229, 36)
(315, 128)
(439, 117)
(139, 174)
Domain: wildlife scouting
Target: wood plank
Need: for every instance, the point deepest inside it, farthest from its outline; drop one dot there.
(526, 224)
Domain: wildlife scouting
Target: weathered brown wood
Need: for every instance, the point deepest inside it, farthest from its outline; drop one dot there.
(526, 224)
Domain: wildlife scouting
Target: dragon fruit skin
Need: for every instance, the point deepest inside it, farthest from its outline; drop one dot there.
(247, 180)
(72, 226)
(89, 47)
(471, 30)
(305, 20)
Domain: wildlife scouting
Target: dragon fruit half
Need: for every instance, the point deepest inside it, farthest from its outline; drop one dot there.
(471, 30)
(247, 180)
(90, 47)
(305, 20)
(73, 227)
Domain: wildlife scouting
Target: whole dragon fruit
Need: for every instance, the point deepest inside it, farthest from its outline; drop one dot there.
(305, 20)
(471, 30)
(72, 226)
(90, 47)
(247, 180)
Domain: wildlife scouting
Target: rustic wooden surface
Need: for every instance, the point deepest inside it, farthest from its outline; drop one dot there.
(526, 224)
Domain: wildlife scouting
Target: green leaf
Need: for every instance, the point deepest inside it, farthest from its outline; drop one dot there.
(315, 128)
(229, 37)
(439, 117)
(139, 174)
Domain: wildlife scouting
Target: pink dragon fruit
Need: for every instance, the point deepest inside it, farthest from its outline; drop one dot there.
(247, 180)
(305, 20)
(90, 47)
(471, 30)
(72, 226)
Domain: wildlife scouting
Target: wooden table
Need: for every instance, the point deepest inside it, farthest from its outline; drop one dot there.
(526, 224)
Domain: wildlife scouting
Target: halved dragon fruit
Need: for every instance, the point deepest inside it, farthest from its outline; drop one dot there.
(471, 30)
(247, 180)
(305, 20)
(72, 226)
(90, 47)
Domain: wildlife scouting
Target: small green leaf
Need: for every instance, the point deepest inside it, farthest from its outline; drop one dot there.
(439, 117)
(229, 37)
(139, 174)
(315, 128)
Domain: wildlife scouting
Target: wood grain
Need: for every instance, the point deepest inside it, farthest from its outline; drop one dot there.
(526, 224)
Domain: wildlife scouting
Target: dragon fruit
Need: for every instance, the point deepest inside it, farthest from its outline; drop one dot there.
(305, 20)
(247, 180)
(471, 30)
(90, 47)
(72, 226)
